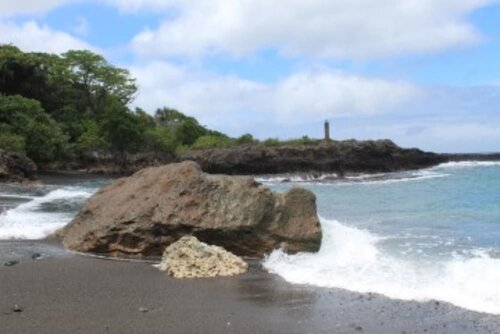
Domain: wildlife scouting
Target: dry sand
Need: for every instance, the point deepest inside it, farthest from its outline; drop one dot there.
(68, 293)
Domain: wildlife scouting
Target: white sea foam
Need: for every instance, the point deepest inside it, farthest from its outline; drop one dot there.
(7, 195)
(34, 219)
(362, 179)
(351, 259)
(296, 178)
(394, 177)
(467, 164)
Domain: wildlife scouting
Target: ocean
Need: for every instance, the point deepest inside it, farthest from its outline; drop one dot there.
(432, 234)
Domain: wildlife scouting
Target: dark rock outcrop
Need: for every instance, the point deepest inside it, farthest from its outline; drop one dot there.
(339, 157)
(141, 215)
(108, 164)
(16, 167)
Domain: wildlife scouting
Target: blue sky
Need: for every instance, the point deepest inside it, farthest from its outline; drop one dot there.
(424, 73)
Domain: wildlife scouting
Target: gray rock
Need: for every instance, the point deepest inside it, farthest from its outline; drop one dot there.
(16, 167)
(143, 214)
(11, 263)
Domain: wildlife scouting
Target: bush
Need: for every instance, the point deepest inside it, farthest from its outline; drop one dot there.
(91, 139)
(305, 140)
(210, 141)
(44, 139)
(161, 139)
(271, 142)
(122, 129)
(10, 141)
(246, 139)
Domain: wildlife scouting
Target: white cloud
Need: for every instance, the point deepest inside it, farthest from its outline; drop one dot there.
(458, 135)
(15, 7)
(31, 36)
(226, 102)
(326, 94)
(333, 29)
(213, 99)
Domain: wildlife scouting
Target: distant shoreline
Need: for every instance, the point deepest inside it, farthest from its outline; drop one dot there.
(349, 157)
(472, 156)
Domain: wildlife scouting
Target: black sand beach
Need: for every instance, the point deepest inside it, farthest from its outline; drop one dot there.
(70, 293)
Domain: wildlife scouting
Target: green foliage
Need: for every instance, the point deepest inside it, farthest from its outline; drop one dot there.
(121, 128)
(59, 106)
(10, 141)
(161, 139)
(187, 129)
(271, 142)
(97, 78)
(44, 140)
(247, 138)
(211, 141)
(91, 139)
(303, 141)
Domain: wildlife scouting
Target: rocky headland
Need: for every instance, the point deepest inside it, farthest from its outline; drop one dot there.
(141, 215)
(341, 157)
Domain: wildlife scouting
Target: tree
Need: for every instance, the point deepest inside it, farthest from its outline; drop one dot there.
(187, 129)
(121, 128)
(247, 138)
(44, 140)
(91, 139)
(10, 141)
(92, 74)
(21, 74)
(160, 139)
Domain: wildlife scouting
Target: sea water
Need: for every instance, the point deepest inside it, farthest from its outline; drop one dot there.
(430, 234)
(419, 235)
(31, 213)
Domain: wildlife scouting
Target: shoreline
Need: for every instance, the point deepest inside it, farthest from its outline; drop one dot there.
(115, 170)
(66, 292)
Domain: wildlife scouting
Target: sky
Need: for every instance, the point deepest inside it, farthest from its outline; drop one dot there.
(424, 73)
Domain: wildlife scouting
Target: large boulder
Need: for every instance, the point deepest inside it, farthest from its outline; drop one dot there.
(143, 214)
(190, 258)
(16, 167)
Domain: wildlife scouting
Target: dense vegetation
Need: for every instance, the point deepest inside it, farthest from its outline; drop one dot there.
(55, 107)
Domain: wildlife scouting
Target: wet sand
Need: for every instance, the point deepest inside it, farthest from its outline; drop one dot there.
(69, 293)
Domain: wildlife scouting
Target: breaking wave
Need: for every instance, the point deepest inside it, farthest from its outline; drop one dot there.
(42, 215)
(352, 259)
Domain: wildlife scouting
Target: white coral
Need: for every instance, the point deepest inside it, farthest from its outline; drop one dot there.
(189, 258)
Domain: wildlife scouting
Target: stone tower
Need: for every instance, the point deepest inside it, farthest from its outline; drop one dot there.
(327, 130)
